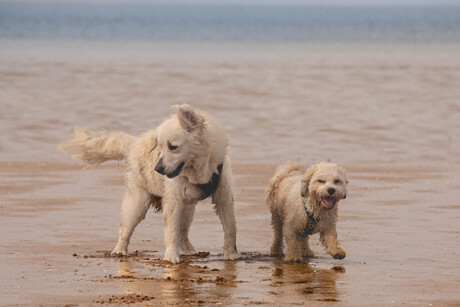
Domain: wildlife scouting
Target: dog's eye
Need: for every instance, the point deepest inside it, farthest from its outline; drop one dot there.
(321, 181)
(337, 181)
(171, 146)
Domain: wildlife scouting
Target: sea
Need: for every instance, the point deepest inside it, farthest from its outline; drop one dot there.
(221, 23)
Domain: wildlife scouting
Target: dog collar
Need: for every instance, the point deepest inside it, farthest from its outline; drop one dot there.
(209, 188)
(311, 220)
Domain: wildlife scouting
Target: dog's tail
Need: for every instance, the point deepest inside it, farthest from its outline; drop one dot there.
(93, 149)
(281, 172)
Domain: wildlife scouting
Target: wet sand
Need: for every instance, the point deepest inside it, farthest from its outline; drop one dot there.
(390, 117)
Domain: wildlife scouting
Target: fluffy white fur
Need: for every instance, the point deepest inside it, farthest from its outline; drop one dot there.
(322, 186)
(162, 168)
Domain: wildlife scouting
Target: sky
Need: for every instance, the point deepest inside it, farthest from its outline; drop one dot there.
(259, 2)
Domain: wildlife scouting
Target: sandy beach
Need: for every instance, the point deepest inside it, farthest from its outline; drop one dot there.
(399, 226)
(389, 114)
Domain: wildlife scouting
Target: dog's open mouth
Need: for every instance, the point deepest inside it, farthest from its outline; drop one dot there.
(327, 203)
(176, 171)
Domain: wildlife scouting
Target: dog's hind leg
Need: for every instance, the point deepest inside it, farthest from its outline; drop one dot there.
(133, 209)
(186, 221)
(223, 199)
(277, 245)
(307, 251)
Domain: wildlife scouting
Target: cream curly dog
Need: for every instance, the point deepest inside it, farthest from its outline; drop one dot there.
(304, 204)
(170, 168)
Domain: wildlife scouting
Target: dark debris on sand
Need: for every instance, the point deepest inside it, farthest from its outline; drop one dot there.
(125, 299)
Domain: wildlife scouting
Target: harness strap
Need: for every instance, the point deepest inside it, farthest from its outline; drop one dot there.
(311, 220)
(209, 188)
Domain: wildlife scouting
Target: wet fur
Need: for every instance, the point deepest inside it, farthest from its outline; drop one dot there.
(286, 192)
(201, 147)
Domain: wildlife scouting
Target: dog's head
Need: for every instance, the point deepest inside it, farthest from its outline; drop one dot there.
(325, 183)
(178, 138)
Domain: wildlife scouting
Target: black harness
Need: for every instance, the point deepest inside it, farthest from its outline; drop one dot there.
(311, 221)
(209, 188)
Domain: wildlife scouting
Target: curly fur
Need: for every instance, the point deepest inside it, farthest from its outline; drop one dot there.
(321, 187)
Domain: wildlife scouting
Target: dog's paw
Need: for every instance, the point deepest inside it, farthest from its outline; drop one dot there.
(188, 248)
(293, 258)
(118, 252)
(338, 253)
(189, 252)
(117, 255)
(171, 256)
(231, 256)
(276, 251)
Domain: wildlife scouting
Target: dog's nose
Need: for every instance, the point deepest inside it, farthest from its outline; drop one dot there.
(331, 191)
(159, 167)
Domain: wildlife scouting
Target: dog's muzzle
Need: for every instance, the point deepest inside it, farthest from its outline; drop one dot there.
(176, 171)
(160, 168)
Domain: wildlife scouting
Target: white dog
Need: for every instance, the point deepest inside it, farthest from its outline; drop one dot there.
(304, 204)
(171, 168)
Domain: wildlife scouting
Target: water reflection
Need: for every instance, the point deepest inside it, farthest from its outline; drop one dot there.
(306, 280)
(260, 279)
(184, 283)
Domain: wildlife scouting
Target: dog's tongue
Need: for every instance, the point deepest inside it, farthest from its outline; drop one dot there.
(327, 203)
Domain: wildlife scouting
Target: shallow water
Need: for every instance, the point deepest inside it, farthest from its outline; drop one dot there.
(364, 103)
(388, 113)
(399, 226)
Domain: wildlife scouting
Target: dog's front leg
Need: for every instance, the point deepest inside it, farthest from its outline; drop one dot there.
(329, 240)
(186, 221)
(223, 199)
(172, 214)
(294, 243)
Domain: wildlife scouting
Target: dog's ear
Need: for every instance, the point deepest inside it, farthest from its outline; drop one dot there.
(189, 120)
(343, 174)
(153, 142)
(306, 180)
(304, 187)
